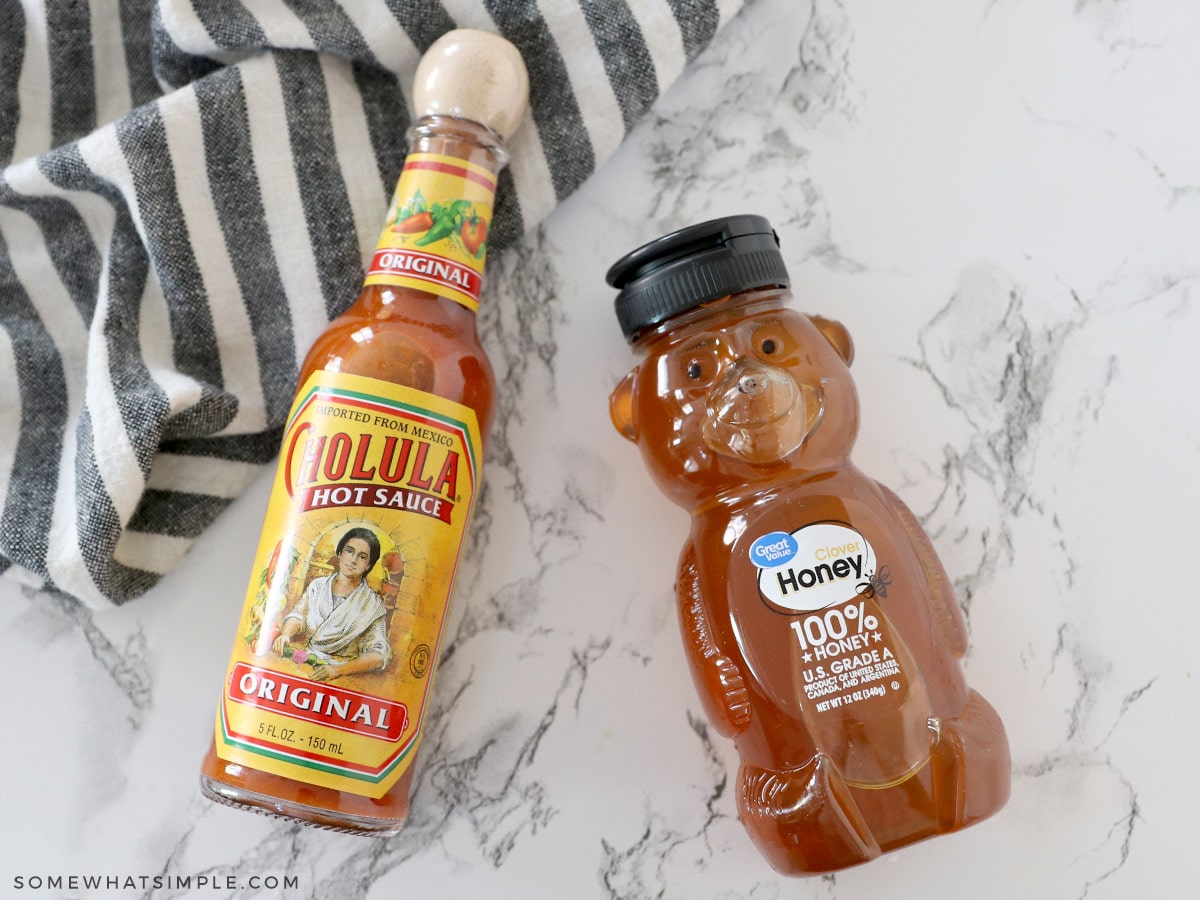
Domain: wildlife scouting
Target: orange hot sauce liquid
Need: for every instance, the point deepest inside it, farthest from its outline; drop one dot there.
(407, 337)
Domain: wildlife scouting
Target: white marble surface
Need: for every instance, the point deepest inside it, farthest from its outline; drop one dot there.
(1001, 199)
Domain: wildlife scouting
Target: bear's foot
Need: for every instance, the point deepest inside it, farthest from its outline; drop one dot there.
(804, 820)
(970, 765)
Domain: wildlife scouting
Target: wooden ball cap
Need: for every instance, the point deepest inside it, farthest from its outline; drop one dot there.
(473, 75)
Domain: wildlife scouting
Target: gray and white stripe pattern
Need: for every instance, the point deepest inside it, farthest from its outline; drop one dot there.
(188, 189)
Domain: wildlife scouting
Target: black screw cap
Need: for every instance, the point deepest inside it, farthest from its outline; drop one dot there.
(694, 265)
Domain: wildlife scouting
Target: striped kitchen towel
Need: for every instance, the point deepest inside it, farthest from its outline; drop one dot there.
(188, 191)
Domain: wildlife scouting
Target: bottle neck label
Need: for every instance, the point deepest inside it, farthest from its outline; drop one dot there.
(436, 232)
(330, 674)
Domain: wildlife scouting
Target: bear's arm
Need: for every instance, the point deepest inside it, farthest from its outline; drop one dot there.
(946, 612)
(718, 678)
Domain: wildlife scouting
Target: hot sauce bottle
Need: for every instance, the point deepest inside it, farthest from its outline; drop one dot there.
(330, 676)
(821, 629)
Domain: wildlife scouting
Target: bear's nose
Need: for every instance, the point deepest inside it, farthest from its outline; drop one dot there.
(749, 384)
(751, 393)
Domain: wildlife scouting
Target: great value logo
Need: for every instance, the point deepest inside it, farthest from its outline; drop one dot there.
(813, 567)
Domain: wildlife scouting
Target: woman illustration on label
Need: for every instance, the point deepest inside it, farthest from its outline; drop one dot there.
(346, 621)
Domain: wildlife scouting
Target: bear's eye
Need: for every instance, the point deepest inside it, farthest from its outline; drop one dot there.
(771, 339)
(697, 363)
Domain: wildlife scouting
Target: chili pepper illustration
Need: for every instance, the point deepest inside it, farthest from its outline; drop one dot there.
(414, 224)
(442, 228)
(474, 234)
(447, 219)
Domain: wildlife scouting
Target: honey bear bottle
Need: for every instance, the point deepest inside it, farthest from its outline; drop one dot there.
(821, 629)
(327, 690)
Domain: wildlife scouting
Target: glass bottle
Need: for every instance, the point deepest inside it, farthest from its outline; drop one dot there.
(332, 667)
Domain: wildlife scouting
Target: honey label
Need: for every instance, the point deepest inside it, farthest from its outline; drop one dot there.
(436, 231)
(331, 671)
(853, 678)
(813, 567)
(826, 577)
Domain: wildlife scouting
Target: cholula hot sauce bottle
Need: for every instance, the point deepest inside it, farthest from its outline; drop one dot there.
(322, 708)
(821, 629)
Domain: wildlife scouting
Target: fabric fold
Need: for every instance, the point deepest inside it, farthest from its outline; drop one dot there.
(188, 191)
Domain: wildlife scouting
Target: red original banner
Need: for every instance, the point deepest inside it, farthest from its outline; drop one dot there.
(426, 267)
(322, 704)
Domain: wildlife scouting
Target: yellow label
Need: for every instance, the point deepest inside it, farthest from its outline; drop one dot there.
(332, 667)
(435, 236)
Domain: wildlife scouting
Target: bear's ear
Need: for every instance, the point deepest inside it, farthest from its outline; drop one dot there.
(621, 407)
(836, 334)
